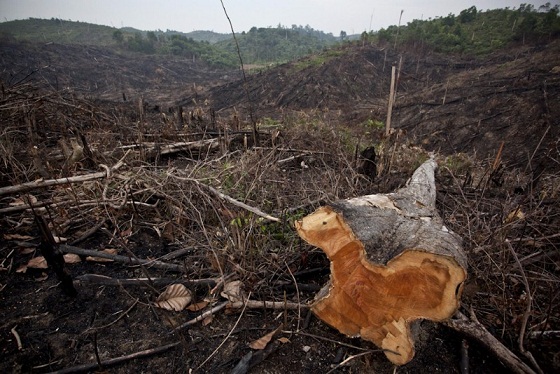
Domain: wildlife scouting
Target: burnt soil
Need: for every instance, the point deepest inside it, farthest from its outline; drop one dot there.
(493, 121)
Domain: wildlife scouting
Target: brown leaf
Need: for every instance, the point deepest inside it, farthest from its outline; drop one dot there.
(232, 291)
(284, 340)
(111, 251)
(72, 258)
(26, 250)
(22, 269)
(208, 320)
(60, 239)
(198, 306)
(38, 262)
(262, 342)
(175, 297)
(17, 237)
(21, 201)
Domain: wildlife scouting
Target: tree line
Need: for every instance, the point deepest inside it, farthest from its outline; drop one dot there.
(475, 32)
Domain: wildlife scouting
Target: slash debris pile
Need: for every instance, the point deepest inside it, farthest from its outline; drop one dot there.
(138, 201)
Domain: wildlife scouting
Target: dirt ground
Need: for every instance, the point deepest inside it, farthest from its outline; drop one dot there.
(314, 116)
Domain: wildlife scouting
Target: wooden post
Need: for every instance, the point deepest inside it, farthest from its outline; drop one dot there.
(391, 100)
(392, 262)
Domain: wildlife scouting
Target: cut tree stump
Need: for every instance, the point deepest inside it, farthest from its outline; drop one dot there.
(393, 262)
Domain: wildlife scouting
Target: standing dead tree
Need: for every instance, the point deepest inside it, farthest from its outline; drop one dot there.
(393, 262)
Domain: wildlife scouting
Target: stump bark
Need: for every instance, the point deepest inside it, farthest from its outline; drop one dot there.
(393, 262)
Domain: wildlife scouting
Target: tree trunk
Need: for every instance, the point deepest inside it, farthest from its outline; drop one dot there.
(392, 262)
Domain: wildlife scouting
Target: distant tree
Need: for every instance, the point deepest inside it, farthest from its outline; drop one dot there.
(449, 20)
(343, 35)
(118, 36)
(151, 36)
(468, 15)
(364, 36)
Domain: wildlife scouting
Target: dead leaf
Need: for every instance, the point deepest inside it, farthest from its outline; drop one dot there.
(207, 320)
(26, 250)
(38, 262)
(43, 277)
(17, 237)
(72, 258)
(198, 306)
(22, 269)
(175, 297)
(232, 291)
(111, 251)
(262, 342)
(60, 239)
(284, 340)
(20, 201)
(514, 215)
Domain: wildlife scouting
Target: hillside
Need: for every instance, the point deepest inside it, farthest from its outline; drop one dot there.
(258, 46)
(486, 101)
(278, 44)
(105, 73)
(57, 31)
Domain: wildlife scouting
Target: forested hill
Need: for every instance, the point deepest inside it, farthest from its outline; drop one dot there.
(258, 45)
(279, 44)
(476, 32)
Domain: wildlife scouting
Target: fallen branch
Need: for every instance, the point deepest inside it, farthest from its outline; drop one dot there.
(251, 304)
(477, 331)
(231, 200)
(256, 304)
(24, 187)
(166, 149)
(117, 360)
(81, 204)
(202, 316)
(551, 334)
(108, 281)
(89, 232)
(123, 259)
(527, 314)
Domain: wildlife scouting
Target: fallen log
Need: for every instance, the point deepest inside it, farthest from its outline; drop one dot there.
(393, 262)
(28, 186)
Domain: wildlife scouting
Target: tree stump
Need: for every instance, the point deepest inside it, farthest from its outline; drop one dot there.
(393, 262)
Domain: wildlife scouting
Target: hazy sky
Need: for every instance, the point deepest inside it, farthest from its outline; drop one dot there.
(352, 16)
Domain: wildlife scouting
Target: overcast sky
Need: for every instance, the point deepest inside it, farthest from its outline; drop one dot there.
(352, 16)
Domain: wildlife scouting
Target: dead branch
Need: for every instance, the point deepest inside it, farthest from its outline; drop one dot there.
(89, 232)
(24, 187)
(527, 313)
(256, 304)
(122, 259)
(231, 200)
(550, 334)
(117, 360)
(108, 281)
(166, 149)
(477, 331)
(202, 316)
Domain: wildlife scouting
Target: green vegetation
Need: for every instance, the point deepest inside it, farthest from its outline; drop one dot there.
(129, 39)
(318, 59)
(476, 32)
(279, 44)
(57, 30)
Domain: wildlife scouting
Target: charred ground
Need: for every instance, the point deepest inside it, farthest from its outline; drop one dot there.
(314, 116)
